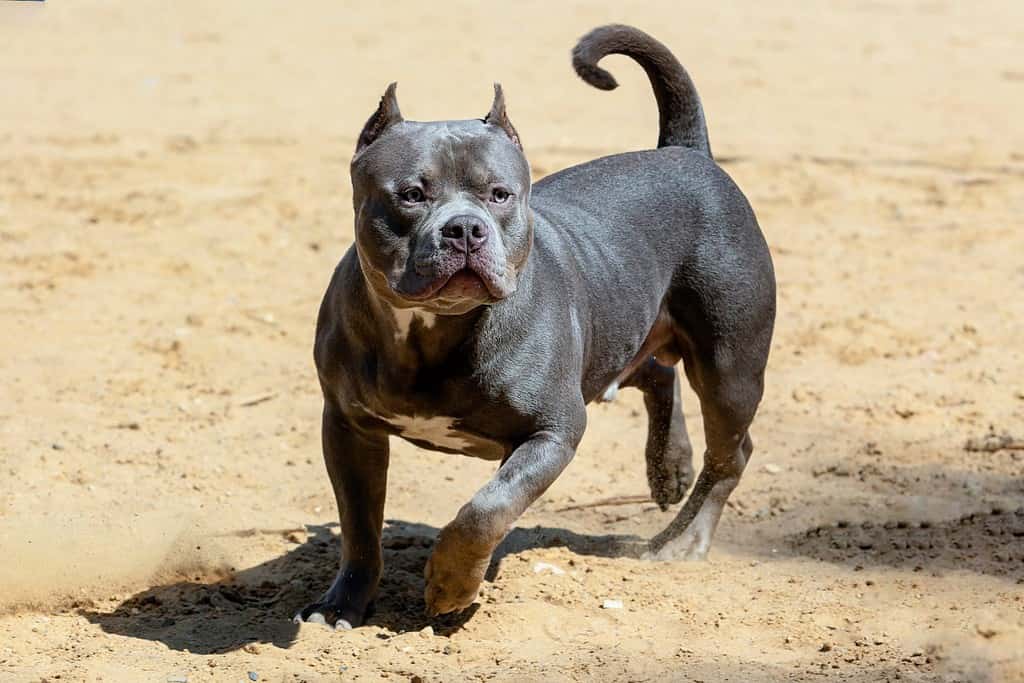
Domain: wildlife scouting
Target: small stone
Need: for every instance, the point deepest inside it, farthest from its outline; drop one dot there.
(541, 567)
(771, 468)
(177, 678)
(427, 632)
(985, 632)
(825, 647)
(253, 676)
(611, 604)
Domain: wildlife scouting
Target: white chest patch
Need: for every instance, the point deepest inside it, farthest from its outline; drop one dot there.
(438, 431)
(404, 318)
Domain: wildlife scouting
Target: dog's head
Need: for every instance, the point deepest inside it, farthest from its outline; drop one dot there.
(442, 208)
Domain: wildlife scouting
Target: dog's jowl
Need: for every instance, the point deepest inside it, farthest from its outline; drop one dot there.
(479, 314)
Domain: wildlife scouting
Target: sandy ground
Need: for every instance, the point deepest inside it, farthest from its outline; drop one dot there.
(174, 196)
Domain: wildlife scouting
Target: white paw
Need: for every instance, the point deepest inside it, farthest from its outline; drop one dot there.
(688, 547)
(318, 618)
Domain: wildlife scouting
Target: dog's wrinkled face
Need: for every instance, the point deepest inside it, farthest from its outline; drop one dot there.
(442, 213)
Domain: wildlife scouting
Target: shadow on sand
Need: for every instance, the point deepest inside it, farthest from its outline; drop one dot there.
(256, 605)
(989, 542)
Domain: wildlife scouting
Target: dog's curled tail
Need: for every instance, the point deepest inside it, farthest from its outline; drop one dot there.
(679, 110)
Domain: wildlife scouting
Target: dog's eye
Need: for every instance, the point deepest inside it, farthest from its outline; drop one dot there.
(413, 195)
(500, 195)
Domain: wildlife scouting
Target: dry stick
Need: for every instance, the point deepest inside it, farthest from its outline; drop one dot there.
(259, 398)
(994, 441)
(614, 500)
(990, 445)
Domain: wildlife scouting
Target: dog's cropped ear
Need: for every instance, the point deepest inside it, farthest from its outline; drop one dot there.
(387, 115)
(499, 117)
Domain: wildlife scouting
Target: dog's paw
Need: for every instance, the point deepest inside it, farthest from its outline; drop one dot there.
(670, 478)
(347, 604)
(691, 545)
(325, 615)
(453, 577)
(331, 615)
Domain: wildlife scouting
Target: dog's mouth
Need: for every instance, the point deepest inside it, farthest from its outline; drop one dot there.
(459, 282)
(464, 284)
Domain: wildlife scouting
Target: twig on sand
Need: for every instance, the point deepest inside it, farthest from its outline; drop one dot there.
(614, 500)
(257, 399)
(992, 442)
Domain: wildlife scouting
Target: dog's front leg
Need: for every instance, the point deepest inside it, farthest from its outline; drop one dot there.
(357, 464)
(464, 547)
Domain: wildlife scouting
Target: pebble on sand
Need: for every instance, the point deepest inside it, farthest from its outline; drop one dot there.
(541, 567)
(611, 604)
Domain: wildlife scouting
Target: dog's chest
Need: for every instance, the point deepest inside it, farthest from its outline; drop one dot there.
(439, 432)
(436, 431)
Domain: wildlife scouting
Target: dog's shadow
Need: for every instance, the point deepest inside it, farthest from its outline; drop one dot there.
(256, 605)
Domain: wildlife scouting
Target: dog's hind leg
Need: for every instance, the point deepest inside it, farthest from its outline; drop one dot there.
(725, 351)
(727, 410)
(668, 452)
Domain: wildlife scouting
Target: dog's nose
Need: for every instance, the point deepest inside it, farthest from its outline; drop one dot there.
(465, 233)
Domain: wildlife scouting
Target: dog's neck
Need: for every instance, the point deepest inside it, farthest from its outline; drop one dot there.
(414, 336)
(412, 326)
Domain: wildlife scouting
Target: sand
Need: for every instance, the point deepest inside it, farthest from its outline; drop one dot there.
(174, 196)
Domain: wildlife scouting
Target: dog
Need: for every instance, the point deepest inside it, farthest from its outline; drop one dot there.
(479, 314)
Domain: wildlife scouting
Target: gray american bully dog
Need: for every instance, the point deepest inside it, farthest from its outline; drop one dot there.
(476, 314)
